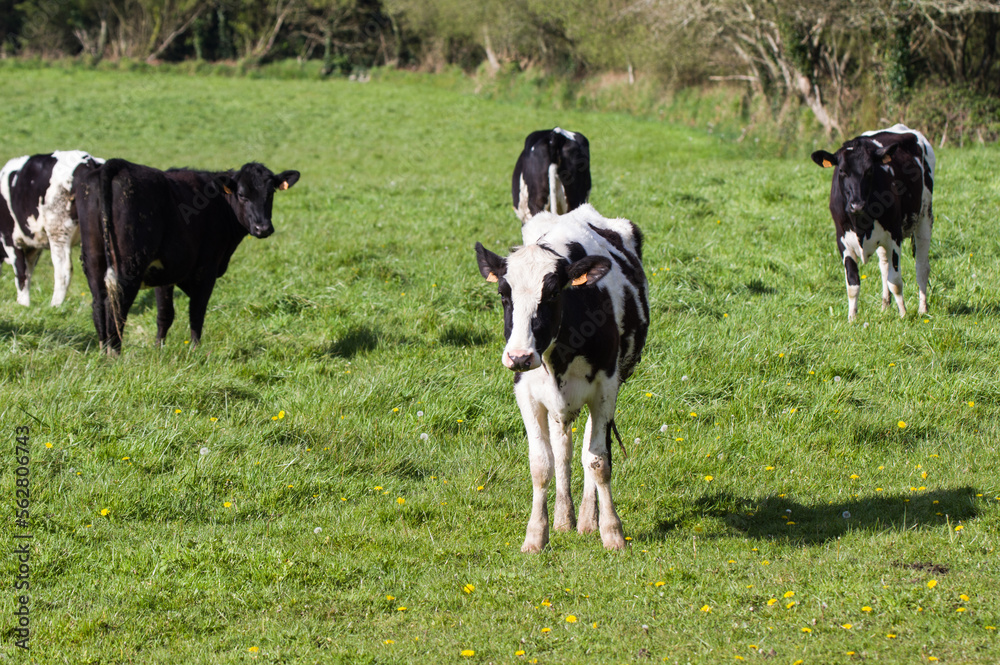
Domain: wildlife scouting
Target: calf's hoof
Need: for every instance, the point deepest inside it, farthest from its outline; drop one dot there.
(532, 547)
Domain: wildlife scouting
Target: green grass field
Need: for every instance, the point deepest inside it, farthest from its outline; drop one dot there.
(797, 490)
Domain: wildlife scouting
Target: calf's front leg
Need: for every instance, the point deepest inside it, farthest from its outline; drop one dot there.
(542, 465)
(596, 460)
(853, 287)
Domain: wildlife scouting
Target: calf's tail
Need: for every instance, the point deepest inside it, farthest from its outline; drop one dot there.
(107, 174)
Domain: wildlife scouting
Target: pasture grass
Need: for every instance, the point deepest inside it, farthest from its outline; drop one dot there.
(779, 510)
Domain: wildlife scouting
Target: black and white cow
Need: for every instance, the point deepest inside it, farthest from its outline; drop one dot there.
(882, 186)
(143, 227)
(35, 214)
(552, 173)
(575, 318)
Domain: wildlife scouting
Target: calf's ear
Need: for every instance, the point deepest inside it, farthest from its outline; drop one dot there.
(228, 182)
(885, 154)
(824, 159)
(491, 265)
(286, 179)
(588, 270)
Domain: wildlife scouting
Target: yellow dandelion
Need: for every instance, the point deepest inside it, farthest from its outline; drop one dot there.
(546, 630)
(480, 488)
(177, 410)
(253, 649)
(546, 603)
(48, 445)
(390, 598)
(401, 609)
(693, 414)
(660, 583)
(519, 652)
(931, 584)
(389, 642)
(395, 409)
(891, 636)
(789, 594)
(377, 487)
(400, 500)
(706, 608)
(765, 562)
(649, 394)
(570, 619)
(963, 597)
(709, 479)
(932, 659)
(104, 512)
(854, 476)
(790, 605)
(769, 468)
(468, 588)
(227, 504)
(281, 414)
(959, 527)
(901, 425)
(772, 602)
(798, 662)
(960, 609)
(468, 653)
(213, 419)
(807, 630)
(971, 404)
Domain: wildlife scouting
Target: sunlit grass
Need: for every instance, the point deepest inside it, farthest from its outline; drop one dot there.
(339, 474)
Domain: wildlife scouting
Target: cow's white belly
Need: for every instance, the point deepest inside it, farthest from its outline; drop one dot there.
(861, 249)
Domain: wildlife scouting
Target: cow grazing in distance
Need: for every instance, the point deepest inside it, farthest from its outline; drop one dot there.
(575, 315)
(36, 214)
(552, 173)
(143, 227)
(881, 193)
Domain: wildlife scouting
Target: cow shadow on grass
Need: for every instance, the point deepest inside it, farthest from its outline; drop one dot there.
(781, 518)
(965, 309)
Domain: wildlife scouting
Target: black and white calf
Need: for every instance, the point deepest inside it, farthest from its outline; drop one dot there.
(575, 319)
(882, 186)
(552, 173)
(143, 227)
(35, 214)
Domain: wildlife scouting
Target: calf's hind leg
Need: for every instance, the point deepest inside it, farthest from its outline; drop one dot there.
(164, 311)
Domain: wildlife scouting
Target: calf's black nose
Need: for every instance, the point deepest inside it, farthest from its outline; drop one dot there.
(520, 363)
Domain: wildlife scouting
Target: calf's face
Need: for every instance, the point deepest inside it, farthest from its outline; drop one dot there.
(855, 164)
(251, 194)
(531, 283)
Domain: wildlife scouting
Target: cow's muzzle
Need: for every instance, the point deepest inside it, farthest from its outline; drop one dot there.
(261, 231)
(521, 361)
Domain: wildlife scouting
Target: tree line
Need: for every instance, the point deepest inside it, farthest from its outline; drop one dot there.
(830, 56)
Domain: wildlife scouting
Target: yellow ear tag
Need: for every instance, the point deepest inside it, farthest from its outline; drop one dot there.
(492, 278)
(283, 185)
(227, 190)
(827, 164)
(582, 279)
(887, 159)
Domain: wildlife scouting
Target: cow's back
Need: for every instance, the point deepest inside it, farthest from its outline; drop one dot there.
(912, 165)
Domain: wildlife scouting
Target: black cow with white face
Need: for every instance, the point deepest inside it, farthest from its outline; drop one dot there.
(882, 186)
(575, 319)
(552, 173)
(36, 213)
(143, 227)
